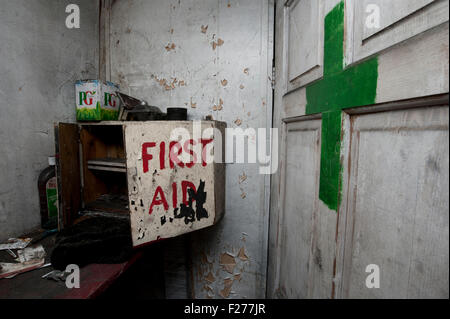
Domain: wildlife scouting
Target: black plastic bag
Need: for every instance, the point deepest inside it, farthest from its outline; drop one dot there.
(96, 240)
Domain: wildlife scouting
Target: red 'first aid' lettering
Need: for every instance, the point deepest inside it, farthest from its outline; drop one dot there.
(158, 199)
(184, 186)
(146, 157)
(175, 150)
(173, 155)
(204, 143)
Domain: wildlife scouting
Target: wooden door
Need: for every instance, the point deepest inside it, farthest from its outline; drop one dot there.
(68, 172)
(362, 108)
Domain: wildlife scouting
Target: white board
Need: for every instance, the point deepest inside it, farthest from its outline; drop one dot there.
(169, 194)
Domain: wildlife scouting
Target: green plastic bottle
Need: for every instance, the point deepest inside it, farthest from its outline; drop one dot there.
(48, 196)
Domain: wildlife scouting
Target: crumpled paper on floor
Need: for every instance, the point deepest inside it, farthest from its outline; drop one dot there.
(28, 259)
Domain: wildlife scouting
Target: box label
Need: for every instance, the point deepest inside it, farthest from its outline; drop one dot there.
(96, 100)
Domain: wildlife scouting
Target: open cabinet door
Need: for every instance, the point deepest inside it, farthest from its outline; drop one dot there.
(169, 195)
(68, 172)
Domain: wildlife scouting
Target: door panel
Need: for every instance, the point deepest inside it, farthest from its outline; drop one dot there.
(304, 37)
(304, 49)
(391, 12)
(398, 216)
(399, 20)
(299, 216)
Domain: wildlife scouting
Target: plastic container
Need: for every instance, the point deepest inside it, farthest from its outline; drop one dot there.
(48, 196)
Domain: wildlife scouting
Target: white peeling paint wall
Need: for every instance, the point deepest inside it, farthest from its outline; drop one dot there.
(40, 59)
(213, 57)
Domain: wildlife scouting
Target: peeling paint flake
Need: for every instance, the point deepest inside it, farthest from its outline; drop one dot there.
(225, 293)
(224, 82)
(219, 43)
(193, 105)
(227, 285)
(168, 85)
(228, 282)
(241, 255)
(242, 178)
(208, 289)
(170, 47)
(204, 28)
(210, 278)
(227, 262)
(218, 107)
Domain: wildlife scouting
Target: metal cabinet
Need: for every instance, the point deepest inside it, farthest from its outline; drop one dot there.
(167, 177)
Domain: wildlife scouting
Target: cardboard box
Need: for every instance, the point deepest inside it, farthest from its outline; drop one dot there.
(96, 100)
(111, 102)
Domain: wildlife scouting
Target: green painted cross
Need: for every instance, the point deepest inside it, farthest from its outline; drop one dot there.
(339, 89)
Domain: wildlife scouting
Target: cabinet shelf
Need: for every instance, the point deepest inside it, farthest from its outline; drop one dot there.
(108, 164)
(113, 203)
